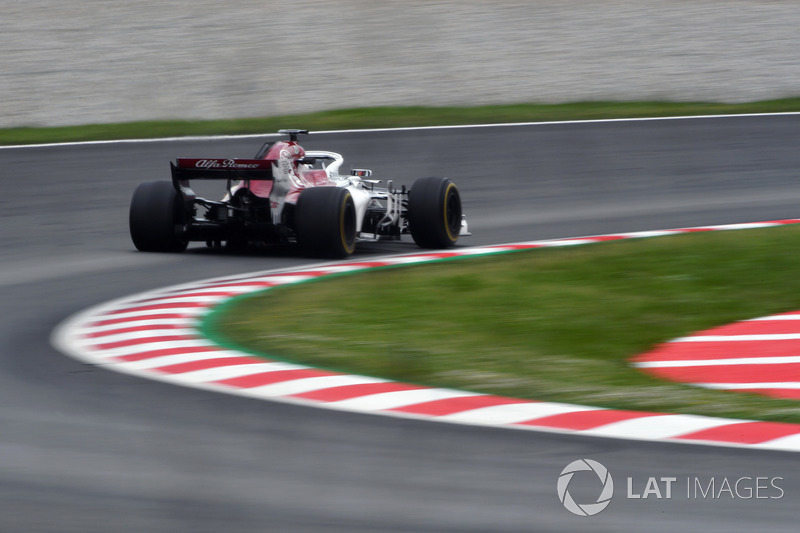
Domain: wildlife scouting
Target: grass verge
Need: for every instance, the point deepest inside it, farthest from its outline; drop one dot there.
(388, 117)
(547, 324)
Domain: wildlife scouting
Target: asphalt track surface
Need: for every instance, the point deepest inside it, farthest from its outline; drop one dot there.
(87, 450)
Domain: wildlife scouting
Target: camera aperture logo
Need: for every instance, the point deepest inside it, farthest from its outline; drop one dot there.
(665, 488)
(585, 509)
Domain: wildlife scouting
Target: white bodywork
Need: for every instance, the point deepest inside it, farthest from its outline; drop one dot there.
(364, 191)
(292, 175)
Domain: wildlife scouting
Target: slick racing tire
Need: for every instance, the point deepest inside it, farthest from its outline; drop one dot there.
(325, 222)
(434, 212)
(155, 216)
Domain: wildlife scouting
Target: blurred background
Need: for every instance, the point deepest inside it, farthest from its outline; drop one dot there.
(85, 450)
(98, 61)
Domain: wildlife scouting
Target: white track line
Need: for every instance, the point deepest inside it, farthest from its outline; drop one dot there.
(212, 138)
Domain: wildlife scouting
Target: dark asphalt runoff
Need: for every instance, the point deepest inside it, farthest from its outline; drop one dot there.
(84, 449)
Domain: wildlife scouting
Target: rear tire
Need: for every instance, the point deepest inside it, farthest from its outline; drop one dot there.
(434, 212)
(325, 222)
(156, 212)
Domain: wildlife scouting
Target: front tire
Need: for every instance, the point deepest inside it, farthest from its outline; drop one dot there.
(156, 213)
(325, 222)
(434, 212)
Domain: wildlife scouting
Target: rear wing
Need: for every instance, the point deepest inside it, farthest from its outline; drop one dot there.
(185, 169)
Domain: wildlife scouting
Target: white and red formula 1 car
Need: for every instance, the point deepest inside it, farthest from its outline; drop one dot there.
(289, 195)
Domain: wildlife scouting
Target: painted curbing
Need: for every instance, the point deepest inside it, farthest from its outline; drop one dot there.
(156, 335)
(760, 355)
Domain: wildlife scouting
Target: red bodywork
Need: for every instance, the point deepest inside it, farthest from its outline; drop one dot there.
(285, 156)
(286, 175)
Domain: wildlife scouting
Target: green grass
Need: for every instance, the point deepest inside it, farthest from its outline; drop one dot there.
(380, 117)
(548, 324)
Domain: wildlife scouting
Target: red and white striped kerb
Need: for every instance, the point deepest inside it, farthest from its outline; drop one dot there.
(156, 335)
